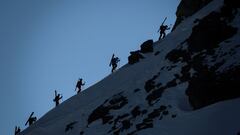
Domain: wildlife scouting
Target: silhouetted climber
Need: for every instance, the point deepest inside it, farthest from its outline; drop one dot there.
(17, 130)
(31, 119)
(114, 62)
(162, 30)
(79, 85)
(57, 98)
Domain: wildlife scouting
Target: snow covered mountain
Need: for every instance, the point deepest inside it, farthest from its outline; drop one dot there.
(188, 85)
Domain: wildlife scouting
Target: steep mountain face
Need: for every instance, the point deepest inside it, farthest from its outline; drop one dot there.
(185, 84)
(187, 8)
(209, 85)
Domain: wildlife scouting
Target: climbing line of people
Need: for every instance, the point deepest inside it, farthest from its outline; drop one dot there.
(113, 63)
(57, 99)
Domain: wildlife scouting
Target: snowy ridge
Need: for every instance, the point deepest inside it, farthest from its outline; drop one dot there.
(149, 97)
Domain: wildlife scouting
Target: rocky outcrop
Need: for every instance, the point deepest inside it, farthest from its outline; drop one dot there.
(187, 8)
(207, 85)
(135, 56)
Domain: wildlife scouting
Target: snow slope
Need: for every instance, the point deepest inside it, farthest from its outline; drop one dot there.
(149, 97)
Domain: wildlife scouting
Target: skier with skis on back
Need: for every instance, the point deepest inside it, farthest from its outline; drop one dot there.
(79, 85)
(114, 62)
(162, 29)
(31, 119)
(57, 98)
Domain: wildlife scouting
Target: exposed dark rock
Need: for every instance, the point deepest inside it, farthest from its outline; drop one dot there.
(145, 124)
(169, 68)
(82, 132)
(136, 90)
(126, 125)
(233, 4)
(110, 122)
(102, 112)
(196, 20)
(135, 57)
(99, 113)
(159, 85)
(174, 115)
(171, 83)
(177, 55)
(185, 71)
(162, 68)
(70, 126)
(147, 46)
(187, 8)
(136, 112)
(154, 95)
(116, 132)
(165, 112)
(162, 108)
(154, 114)
(150, 84)
(144, 111)
(217, 65)
(208, 87)
(209, 32)
(118, 102)
(157, 92)
(119, 118)
(132, 133)
(156, 53)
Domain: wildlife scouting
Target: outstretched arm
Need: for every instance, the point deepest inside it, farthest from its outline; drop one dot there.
(168, 28)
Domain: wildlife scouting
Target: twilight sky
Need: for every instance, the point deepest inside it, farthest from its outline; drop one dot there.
(49, 44)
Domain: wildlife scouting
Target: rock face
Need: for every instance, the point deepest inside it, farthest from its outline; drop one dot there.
(187, 8)
(208, 86)
(147, 46)
(135, 57)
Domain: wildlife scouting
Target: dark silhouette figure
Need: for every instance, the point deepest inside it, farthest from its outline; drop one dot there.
(31, 119)
(162, 30)
(17, 130)
(70, 126)
(57, 98)
(114, 62)
(79, 85)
